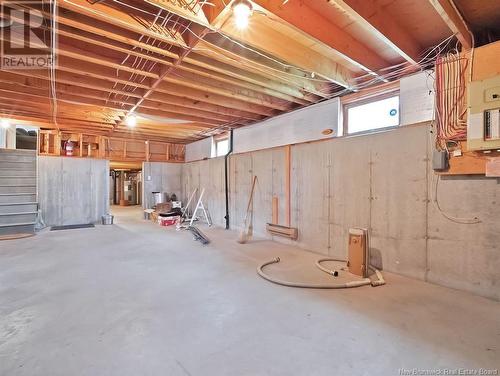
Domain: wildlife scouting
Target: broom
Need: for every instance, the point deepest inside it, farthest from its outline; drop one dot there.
(246, 231)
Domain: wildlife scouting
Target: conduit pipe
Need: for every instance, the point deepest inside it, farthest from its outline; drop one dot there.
(356, 283)
(226, 176)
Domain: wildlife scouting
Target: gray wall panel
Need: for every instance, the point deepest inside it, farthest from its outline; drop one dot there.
(160, 177)
(73, 190)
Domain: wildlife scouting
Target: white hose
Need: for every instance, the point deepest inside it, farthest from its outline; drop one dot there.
(378, 282)
(260, 271)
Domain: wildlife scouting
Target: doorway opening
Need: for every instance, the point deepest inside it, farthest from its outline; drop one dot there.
(125, 187)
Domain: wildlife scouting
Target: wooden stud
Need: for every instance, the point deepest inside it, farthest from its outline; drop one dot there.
(288, 165)
(275, 210)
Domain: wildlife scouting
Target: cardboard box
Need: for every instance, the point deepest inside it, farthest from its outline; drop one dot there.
(163, 207)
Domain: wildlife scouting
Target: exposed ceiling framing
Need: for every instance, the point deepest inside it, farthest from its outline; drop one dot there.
(186, 71)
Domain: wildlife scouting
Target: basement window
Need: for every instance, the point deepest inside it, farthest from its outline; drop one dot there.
(221, 147)
(372, 114)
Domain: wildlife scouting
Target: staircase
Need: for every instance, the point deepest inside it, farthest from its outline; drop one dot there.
(18, 199)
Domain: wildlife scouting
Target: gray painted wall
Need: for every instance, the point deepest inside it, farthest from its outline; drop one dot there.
(72, 190)
(381, 181)
(160, 177)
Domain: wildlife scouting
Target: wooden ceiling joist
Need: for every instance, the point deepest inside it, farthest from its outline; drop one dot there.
(380, 23)
(186, 71)
(117, 18)
(454, 20)
(238, 56)
(306, 20)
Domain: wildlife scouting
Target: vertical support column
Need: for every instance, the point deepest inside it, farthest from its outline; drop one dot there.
(57, 143)
(288, 154)
(124, 149)
(275, 210)
(10, 137)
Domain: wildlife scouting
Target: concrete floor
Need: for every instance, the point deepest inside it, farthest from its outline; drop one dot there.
(138, 299)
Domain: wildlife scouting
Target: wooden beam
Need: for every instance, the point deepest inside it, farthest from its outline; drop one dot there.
(279, 46)
(454, 20)
(167, 71)
(158, 101)
(375, 19)
(284, 49)
(227, 90)
(237, 56)
(87, 32)
(80, 31)
(196, 94)
(305, 20)
(117, 18)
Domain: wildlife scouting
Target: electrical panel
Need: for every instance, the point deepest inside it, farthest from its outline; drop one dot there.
(483, 128)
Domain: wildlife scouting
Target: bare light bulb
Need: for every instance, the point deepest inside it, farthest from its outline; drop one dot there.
(131, 121)
(242, 12)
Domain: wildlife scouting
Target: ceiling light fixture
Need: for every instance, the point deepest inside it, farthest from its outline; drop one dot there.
(131, 121)
(5, 123)
(242, 10)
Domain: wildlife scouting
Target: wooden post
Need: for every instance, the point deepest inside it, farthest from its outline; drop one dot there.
(57, 143)
(288, 216)
(147, 151)
(275, 210)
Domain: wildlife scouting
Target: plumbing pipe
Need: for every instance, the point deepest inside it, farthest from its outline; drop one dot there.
(226, 176)
(260, 271)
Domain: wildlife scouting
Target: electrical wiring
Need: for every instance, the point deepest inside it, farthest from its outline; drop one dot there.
(52, 67)
(451, 102)
(127, 57)
(435, 178)
(435, 201)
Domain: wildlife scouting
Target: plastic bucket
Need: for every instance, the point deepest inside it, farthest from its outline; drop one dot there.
(107, 219)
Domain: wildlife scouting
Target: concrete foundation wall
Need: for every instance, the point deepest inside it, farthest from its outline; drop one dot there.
(199, 150)
(160, 177)
(380, 181)
(302, 125)
(72, 190)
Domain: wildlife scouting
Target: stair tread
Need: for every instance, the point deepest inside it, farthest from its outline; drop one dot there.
(17, 185)
(18, 150)
(19, 203)
(20, 213)
(17, 224)
(9, 161)
(16, 194)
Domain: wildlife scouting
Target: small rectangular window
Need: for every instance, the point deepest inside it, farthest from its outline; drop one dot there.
(221, 147)
(376, 114)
